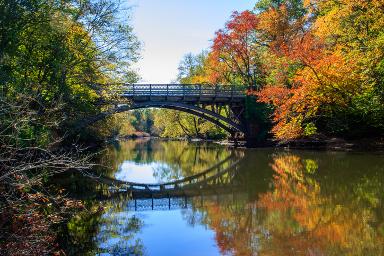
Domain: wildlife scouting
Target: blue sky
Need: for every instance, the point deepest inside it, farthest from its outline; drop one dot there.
(170, 29)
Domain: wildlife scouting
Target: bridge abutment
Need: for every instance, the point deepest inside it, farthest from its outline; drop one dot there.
(255, 119)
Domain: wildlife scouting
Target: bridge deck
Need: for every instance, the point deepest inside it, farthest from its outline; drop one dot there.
(184, 92)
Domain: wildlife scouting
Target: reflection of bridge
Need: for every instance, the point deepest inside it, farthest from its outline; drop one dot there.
(186, 201)
(221, 105)
(209, 181)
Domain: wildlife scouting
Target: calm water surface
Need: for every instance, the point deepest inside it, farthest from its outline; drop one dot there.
(276, 203)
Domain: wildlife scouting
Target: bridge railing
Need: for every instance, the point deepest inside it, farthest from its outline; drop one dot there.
(170, 90)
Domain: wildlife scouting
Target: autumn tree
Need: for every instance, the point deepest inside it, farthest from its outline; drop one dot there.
(238, 52)
(319, 79)
(281, 20)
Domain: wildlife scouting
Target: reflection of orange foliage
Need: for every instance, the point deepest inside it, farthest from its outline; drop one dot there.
(295, 217)
(318, 222)
(289, 184)
(232, 227)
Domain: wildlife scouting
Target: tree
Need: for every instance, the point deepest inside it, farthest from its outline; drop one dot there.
(57, 59)
(324, 69)
(174, 124)
(237, 51)
(192, 69)
(65, 52)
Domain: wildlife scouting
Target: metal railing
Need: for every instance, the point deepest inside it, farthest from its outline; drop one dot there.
(182, 90)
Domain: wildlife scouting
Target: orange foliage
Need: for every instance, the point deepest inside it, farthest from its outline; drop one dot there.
(278, 28)
(234, 49)
(315, 61)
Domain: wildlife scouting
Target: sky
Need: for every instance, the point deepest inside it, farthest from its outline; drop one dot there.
(169, 29)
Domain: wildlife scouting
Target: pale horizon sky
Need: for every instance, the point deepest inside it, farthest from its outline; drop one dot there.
(169, 29)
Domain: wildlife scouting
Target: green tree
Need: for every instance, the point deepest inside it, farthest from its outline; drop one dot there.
(57, 61)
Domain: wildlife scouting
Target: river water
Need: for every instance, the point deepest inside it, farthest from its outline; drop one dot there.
(269, 202)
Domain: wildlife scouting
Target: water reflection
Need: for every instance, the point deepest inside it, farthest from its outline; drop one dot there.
(307, 211)
(174, 159)
(279, 203)
(143, 173)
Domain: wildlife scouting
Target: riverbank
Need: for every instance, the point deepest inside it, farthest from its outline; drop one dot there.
(319, 142)
(334, 144)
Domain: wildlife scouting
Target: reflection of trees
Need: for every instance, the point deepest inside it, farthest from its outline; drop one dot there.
(90, 230)
(306, 211)
(315, 203)
(180, 158)
(109, 230)
(334, 220)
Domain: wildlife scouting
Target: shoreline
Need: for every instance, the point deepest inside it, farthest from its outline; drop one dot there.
(335, 144)
(315, 143)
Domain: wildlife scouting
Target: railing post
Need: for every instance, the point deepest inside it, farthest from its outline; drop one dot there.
(199, 91)
(216, 88)
(150, 91)
(133, 90)
(167, 90)
(183, 91)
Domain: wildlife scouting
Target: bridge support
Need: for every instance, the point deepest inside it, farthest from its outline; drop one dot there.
(253, 136)
(256, 120)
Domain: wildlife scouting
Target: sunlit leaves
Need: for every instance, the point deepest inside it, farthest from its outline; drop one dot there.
(238, 50)
(316, 62)
(330, 51)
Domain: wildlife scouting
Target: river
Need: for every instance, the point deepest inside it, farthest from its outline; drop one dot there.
(263, 202)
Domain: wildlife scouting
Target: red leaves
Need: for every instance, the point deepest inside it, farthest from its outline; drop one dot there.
(274, 95)
(306, 49)
(236, 47)
(243, 22)
(236, 35)
(30, 233)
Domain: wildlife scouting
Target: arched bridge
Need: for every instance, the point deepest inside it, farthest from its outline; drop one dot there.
(219, 104)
